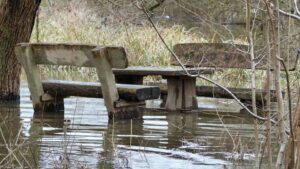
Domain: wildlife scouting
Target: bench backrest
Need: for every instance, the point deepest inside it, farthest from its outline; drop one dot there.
(70, 54)
(223, 55)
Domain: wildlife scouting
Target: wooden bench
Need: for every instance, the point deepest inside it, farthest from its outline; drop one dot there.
(120, 100)
(181, 88)
(224, 55)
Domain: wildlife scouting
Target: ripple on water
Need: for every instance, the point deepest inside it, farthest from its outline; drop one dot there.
(159, 140)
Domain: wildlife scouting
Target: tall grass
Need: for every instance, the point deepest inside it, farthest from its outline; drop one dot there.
(77, 24)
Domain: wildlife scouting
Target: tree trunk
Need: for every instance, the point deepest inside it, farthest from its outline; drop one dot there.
(293, 156)
(16, 24)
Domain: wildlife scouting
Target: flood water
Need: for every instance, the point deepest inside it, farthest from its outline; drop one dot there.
(82, 137)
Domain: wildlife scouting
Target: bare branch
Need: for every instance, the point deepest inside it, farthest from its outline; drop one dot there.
(289, 14)
(296, 7)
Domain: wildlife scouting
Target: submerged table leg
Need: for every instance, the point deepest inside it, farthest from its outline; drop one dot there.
(174, 99)
(181, 93)
(189, 93)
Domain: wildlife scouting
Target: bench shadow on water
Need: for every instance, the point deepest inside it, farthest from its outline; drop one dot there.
(83, 137)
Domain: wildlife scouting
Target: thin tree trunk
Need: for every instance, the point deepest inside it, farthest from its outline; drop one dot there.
(16, 24)
(253, 80)
(275, 51)
(290, 153)
(268, 88)
(297, 134)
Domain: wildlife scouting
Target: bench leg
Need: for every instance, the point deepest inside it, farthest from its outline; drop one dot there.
(163, 97)
(174, 99)
(26, 57)
(132, 112)
(109, 89)
(181, 93)
(51, 109)
(51, 106)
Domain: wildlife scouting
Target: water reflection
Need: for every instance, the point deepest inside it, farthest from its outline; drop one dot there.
(15, 149)
(83, 137)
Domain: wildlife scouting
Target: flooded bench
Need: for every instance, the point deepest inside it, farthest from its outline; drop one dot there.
(230, 56)
(122, 101)
(181, 88)
(202, 58)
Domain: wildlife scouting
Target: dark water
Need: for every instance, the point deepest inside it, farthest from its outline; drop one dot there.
(82, 137)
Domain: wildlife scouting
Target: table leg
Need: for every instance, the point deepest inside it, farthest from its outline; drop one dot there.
(181, 93)
(189, 93)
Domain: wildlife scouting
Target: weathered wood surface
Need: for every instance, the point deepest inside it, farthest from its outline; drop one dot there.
(109, 90)
(26, 58)
(223, 55)
(162, 71)
(72, 54)
(175, 92)
(61, 88)
(181, 93)
(243, 94)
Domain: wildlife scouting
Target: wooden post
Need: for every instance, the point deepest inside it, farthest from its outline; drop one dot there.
(106, 77)
(181, 93)
(189, 93)
(42, 102)
(174, 100)
(103, 63)
(25, 56)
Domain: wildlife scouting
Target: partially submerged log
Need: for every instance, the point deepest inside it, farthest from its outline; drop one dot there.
(60, 88)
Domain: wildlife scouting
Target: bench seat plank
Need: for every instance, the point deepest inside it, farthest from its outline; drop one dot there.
(244, 94)
(62, 88)
(163, 71)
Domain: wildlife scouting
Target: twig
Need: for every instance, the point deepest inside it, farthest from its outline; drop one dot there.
(289, 14)
(8, 149)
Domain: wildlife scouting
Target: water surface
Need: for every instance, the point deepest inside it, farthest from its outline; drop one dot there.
(83, 137)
